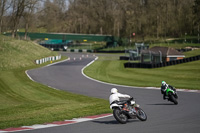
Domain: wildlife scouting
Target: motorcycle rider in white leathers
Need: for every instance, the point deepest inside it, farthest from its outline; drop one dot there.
(115, 96)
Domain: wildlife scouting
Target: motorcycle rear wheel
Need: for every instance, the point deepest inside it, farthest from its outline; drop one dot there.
(120, 116)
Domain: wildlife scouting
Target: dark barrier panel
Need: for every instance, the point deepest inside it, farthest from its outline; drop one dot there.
(164, 64)
(161, 65)
(178, 61)
(154, 65)
(124, 58)
(173, 62)
(124, 65)
(120, 51)
(184, 60)
(167, 63)
(190, 59)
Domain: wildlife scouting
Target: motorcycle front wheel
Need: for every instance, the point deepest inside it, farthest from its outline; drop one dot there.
(141, 115)
(120, 116)
(173, 99)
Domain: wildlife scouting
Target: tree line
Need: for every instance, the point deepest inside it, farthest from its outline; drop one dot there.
(122, 18)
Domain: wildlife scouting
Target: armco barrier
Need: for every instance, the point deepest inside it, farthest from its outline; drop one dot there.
(124, 58)
(80, 50)
(51, 58)
(111, 51)
(128, 58)
(164, 64)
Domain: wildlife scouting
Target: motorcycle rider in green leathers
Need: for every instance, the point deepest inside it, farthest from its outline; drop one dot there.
(164, 87)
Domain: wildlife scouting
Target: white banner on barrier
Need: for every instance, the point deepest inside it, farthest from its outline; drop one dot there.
(43, 60)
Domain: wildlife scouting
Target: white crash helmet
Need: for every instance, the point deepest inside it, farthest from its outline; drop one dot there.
(114, 90)
(163, 83)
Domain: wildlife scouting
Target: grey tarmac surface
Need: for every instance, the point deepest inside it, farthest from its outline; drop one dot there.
(163, 116)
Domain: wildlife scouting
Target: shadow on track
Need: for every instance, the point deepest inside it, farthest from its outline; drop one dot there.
(106, 122)
(162, 104)
(114, 122)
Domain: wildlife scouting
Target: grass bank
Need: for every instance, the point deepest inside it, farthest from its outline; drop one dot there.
(24, 102)
(111, 69)
(176, 45)
(132, 46)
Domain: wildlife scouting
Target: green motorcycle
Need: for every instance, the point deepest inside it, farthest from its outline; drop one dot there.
(172, 95)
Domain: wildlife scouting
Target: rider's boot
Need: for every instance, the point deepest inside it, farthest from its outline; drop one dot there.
(164, 97)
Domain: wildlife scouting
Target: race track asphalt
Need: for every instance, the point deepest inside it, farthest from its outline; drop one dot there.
(163, 116)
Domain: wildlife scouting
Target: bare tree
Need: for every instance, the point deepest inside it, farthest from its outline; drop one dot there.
(158, 18)
(196, 17)
(4, 5)
(28, 14)
(18, 7)
(52, 16)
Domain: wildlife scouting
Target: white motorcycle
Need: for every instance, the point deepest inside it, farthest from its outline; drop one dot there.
(127, 109)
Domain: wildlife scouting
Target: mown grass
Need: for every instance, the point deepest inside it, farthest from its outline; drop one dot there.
(17, 54)
(192, 53)
(118, 48)
(132, 46)
(176, 45)
(184, 76)
(24, 102)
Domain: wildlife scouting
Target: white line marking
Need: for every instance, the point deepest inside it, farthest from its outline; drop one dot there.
(41, 126)
(29, 76)
(81, 119)
(102, 81)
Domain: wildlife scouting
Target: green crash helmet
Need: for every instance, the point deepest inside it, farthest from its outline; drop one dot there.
(163, 83)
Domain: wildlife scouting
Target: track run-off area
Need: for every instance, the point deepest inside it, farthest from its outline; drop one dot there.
(163, 116)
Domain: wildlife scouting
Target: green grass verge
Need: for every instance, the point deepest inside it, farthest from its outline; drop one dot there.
(118, 48)
(24, 102)
(192, 53)
(176, 45)
(184, 76)
(173, 45)
(18, 54)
